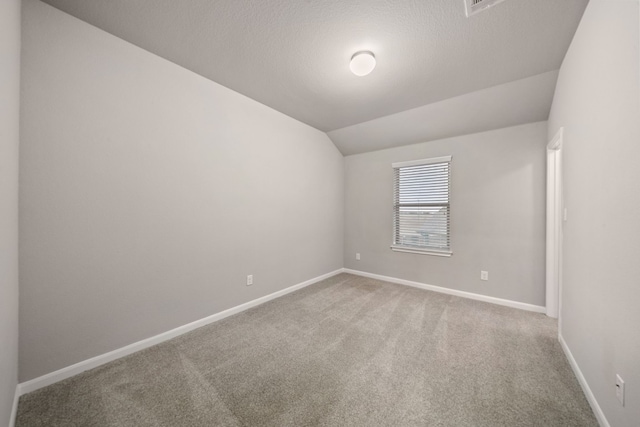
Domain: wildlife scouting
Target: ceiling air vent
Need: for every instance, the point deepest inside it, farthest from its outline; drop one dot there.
(475, 6)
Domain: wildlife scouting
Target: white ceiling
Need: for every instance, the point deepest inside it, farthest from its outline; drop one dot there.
(510, 104)
(293, 55)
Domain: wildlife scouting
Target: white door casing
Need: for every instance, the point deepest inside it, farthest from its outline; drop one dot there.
(554, 226)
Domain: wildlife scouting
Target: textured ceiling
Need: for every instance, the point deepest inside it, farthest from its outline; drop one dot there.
(510, 104)
(293, 55)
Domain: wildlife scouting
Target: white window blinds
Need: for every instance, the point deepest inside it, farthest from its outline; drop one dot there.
(421, 206)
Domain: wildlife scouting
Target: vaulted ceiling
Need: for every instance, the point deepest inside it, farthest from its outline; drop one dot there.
(293, 55)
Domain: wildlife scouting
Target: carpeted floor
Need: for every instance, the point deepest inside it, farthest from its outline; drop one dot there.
(348, 351)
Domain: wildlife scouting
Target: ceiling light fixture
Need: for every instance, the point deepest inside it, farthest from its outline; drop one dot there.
(362, 63)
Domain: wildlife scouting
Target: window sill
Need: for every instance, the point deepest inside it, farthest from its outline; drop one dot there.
(411, 250)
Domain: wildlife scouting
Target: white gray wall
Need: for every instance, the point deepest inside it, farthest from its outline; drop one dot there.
(148, 193)
(9, 137)
(497, 214)
(597, 101)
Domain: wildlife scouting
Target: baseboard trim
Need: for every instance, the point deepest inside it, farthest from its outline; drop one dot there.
(94, 362)
(14, 408)
(597, 410)
(454, 292)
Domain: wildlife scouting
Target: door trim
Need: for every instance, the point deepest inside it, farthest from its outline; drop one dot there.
(554, 226)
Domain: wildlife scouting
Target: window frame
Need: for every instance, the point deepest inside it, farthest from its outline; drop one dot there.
(424, 250)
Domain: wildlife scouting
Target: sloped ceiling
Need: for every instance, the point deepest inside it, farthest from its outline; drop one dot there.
(510, 104)
(293, 55)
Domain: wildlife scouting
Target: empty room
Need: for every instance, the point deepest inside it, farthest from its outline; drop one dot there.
(320, 213)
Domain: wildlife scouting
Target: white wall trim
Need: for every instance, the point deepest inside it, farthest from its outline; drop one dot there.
(455, 292)
(408, 249)
(14, 408)
(556, 141)
(70, 371)
(553, 260)
(602, 420)
(421, 162)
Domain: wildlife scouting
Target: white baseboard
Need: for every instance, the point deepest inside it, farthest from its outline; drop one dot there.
(70, 371)
(583, 383)
(455, 292)
(14, 408)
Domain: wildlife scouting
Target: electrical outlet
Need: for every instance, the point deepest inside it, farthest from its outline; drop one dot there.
(250, 280)
(620, 389)
(357, 257)
(484, 275)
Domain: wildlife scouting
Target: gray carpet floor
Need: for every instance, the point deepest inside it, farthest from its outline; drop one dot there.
(348, 351)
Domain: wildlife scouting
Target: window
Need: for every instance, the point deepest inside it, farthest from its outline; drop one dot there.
(421, 218)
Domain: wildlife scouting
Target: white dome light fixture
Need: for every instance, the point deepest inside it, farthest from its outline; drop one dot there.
(362, 63)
